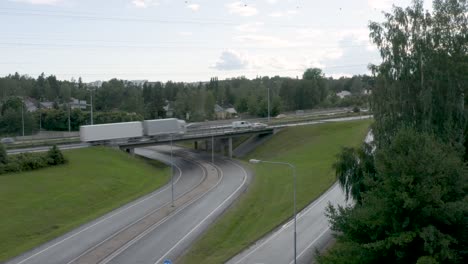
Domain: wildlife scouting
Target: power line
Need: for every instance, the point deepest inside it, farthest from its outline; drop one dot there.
(94, 17)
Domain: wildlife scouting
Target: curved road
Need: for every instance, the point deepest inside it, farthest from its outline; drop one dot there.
(313, 231)
(149, 230)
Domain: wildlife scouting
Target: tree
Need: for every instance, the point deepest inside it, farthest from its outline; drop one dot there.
(55, 156)
(352, 167)
(313, 74)
(416, 209)
(420, 81)
(3, 154)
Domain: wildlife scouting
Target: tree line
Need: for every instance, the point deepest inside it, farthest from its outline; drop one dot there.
(119, 100)
(409, 186)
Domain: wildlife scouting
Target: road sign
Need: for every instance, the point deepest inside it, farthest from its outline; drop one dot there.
(167, 261)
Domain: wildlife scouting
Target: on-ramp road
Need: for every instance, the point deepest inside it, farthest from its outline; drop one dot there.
(150, 230)
(312, 231)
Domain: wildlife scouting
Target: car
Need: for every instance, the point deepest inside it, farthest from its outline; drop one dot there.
(241, 124)
(259, 125)
(7, 140)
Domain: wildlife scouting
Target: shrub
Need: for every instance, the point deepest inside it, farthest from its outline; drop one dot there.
(55, 156)
(3, 154)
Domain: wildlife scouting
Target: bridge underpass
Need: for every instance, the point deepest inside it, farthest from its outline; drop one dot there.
(221, 137)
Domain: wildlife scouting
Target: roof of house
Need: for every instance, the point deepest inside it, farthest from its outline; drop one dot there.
(218, 108)
(231, 110)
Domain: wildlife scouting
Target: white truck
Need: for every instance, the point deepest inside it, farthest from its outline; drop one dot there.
(164, 126)
(93, 133)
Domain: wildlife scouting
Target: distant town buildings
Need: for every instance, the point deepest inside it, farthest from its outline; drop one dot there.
(77, 104)
(97, 84)
(343, 94)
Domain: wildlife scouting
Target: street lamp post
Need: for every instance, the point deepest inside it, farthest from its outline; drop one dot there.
(69, 123)
(172, 176)
(91, 91)
(22, 116)
(212, 149)
(255, 161)
(268, 104)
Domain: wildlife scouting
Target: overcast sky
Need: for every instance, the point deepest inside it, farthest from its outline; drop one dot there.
(187, 40)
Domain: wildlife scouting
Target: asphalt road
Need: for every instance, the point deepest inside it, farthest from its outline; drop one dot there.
(313, 232)
(46, 148)
(168, 237)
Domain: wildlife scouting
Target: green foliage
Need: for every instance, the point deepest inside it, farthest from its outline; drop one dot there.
(422, 79)
(44, 204)
(55, 156)
(352, 167)
(3, 154)
(11, 119)
(31, 161)
(416, 209)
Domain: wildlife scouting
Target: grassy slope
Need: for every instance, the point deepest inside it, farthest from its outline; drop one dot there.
(268, 202)
(39, 205)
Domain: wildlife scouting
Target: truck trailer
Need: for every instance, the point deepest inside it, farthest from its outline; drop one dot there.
(111, 131)
(164, 126)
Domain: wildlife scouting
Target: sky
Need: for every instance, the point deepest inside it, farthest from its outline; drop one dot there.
(190, 41)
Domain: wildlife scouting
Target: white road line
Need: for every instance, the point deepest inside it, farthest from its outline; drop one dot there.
(156, 225)
(311, 243)
(315, 203)
(126, 226)
(99, 222)
(208, 216)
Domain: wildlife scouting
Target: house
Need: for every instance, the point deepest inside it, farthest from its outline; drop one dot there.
(46, 105)
(169, 109)
(77, 104)
(224, 113)
(219, 112)
(31, 104)
(343, 94)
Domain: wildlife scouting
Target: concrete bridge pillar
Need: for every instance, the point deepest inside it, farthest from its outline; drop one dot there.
(130, 151)
(230, 147)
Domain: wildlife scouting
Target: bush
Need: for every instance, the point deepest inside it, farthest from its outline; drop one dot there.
(3, 154)
(32, 161)
(55, 156)
(356, 109)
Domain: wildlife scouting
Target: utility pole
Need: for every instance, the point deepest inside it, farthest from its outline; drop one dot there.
(172, 176)
(69, 126)
(91, 91)
(22, 115)
(268, 104)
(212, 149)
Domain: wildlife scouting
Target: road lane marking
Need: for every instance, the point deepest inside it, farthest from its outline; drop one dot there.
(102, 220)
(209, 215)
(156, 225)
(315, 203)
(311, 243)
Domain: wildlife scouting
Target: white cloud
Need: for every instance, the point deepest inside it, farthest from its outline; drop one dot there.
(267, 41)
(231, 60)
(145, 3)
(38, 2)
(287, 13)
(194, 7)
(241, 9)
(185, 33)
(250, 27)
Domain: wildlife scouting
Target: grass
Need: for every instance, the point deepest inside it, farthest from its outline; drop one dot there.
(268, 202)
(40, 205)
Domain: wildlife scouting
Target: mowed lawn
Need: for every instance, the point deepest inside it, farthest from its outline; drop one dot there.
(39, 205)
(268, 202)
